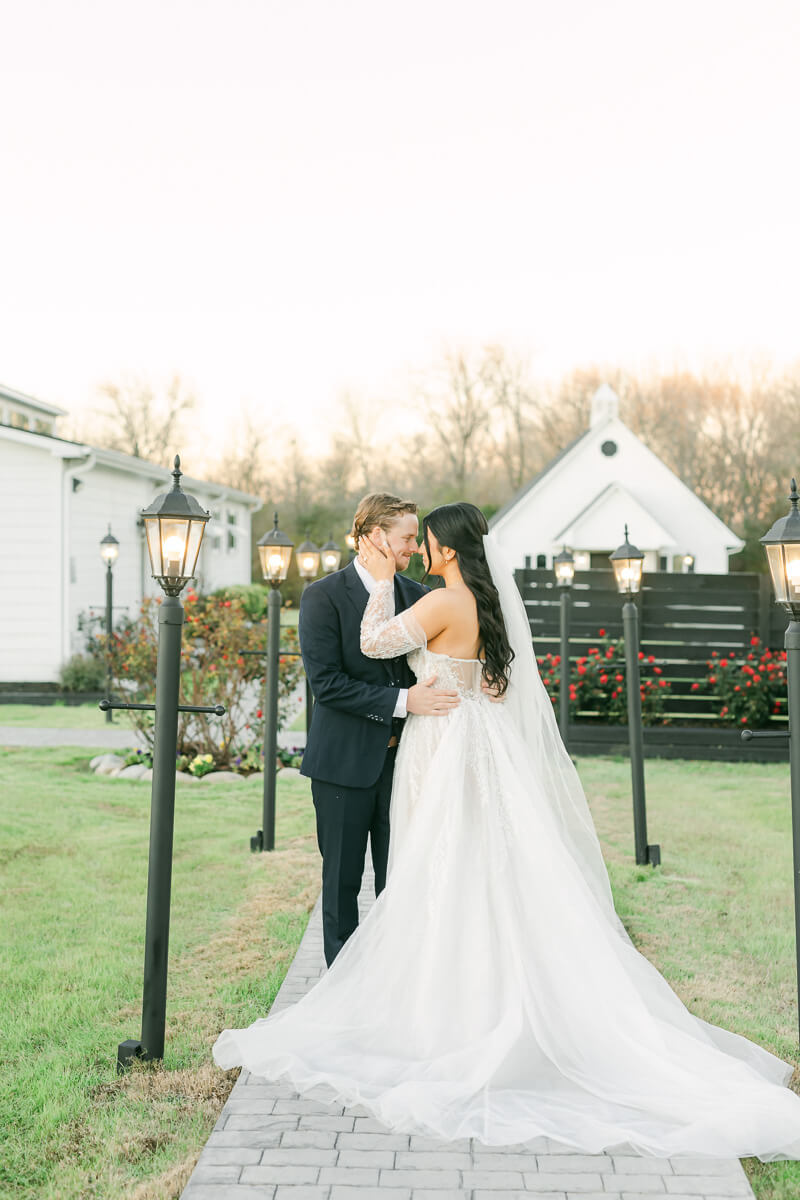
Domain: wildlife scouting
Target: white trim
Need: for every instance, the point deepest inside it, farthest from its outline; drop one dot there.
(20, 398)
(70, 472)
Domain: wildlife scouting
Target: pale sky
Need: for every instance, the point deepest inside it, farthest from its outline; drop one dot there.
(283, 200)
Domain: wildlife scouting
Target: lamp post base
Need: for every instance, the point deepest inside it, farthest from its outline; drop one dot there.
(127, 1052)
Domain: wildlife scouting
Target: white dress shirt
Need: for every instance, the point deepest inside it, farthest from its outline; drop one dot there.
(400, 708)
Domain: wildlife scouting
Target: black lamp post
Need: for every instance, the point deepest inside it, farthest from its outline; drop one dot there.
(275, 551)
(350, 542)
(308, 556)
(782, 545)
(174, 524)
(109, 552)
(564, 568)
(627, 562)
(331, 556)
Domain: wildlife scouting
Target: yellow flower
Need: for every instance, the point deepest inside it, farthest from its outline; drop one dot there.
(208, 758)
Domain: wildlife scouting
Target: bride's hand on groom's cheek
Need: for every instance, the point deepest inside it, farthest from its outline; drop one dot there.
(374, 552)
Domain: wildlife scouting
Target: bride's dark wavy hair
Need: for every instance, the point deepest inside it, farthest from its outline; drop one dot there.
(462, 527)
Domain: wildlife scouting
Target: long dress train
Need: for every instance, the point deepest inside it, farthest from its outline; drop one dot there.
(491, 992)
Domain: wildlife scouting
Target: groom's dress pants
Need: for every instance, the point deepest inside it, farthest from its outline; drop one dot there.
(345, 818)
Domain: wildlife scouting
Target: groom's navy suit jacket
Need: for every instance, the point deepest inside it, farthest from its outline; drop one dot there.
(354, 696)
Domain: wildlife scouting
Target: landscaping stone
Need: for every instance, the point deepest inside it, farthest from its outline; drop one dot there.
(290, 772)
(134, 771)
(109, 763)
(222, 777)
(185, 777)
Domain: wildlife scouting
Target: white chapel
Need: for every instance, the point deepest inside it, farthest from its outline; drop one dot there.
(607, 479)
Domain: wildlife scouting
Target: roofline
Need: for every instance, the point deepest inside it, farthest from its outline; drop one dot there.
(115, 459)
(143, 466)
(22, 398)
(591, 431)
(523, 491)
(614, 486)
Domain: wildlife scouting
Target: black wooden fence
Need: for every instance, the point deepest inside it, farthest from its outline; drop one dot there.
(682, 619)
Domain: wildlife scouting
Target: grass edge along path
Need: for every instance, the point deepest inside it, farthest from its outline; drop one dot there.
(716, 919)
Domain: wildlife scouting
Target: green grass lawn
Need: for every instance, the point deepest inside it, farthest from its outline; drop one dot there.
(57, 716)
(73, 871)
(716, 918)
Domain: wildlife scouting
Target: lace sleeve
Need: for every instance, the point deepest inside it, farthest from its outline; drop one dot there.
(383, 635)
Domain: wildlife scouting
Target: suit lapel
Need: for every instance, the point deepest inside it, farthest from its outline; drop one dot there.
(356, 592)
(358, 597)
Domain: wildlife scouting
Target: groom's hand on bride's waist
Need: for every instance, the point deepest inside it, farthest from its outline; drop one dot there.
(428, 701)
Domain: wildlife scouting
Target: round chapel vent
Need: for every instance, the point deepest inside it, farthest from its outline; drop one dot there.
(609, 449)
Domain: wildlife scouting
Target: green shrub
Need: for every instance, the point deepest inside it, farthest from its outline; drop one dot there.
(83, 673)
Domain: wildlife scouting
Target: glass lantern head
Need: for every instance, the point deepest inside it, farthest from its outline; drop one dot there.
(307, 559)
(174, 524)
(109, 548)
(627, 562)
(275, 552)
(331, 556)
(782, 545)
(564, 567)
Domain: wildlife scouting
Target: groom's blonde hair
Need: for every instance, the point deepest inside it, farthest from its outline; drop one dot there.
(381, 509)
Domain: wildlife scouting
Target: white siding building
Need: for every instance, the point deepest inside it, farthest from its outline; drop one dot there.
(606, 479)
(58, 499)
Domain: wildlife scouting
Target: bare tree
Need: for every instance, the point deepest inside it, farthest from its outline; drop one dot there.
(140, 419)
(245, 463)
(511, 395)
(458, 411)
(361, 418)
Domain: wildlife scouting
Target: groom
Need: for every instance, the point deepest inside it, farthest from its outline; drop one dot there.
(360, 705)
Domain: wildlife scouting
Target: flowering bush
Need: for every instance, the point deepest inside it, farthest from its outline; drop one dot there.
(214, 670)
(751, 689)
(247, 759)
(201, 765)
(292, 757)
(138, 758)
(597, 685)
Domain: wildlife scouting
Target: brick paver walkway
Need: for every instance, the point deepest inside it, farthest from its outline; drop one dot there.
(271, 1144)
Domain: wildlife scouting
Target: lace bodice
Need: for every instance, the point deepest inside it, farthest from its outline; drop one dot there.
(384, 635)
(461, 674)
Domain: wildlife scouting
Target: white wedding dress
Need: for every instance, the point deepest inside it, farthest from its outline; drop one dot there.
(491, 991)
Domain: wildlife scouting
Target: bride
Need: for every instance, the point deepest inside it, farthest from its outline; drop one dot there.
(492, 992)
